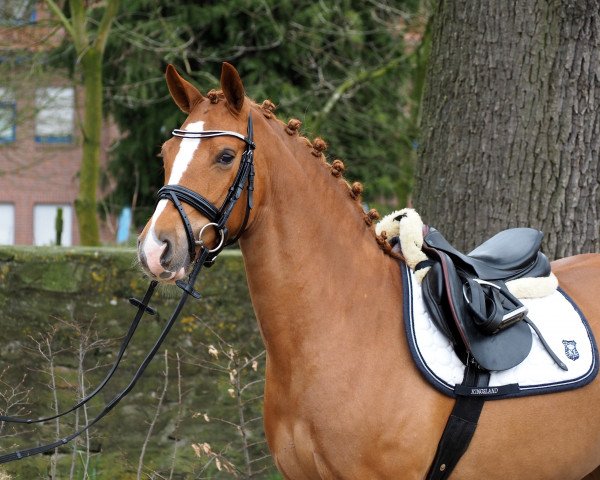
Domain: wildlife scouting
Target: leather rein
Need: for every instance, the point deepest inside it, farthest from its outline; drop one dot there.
(218, 217)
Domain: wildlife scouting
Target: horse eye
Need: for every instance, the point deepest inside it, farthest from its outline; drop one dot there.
(226, 157)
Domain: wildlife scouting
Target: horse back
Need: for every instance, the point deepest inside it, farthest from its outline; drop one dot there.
(579, 277)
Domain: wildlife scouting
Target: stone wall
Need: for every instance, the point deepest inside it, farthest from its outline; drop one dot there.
(58, 303)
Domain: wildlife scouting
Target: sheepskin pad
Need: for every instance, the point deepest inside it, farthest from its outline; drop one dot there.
(559, 320)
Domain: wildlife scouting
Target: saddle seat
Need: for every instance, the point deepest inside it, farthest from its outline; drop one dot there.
(510, 254)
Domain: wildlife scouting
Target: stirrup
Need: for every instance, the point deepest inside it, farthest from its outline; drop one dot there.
(494, 308)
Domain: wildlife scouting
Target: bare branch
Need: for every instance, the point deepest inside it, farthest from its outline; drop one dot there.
(161, 398)
(179, 415)
(56, 10)
(110, 12)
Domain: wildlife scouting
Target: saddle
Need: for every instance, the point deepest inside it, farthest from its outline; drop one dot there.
(467, 297)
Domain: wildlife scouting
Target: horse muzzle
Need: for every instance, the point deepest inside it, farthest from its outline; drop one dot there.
(162, 257)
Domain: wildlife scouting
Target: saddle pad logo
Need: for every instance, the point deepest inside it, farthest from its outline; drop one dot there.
(571, 349)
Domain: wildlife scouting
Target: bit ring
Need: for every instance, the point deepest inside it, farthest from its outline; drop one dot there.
(201, 243)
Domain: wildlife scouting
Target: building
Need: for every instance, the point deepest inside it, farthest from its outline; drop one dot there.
(40, 142)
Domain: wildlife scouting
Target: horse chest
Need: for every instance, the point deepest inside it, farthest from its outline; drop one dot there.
(336, 425)
(296, 431)
(341, 444)
(299, 456)
(292, 445)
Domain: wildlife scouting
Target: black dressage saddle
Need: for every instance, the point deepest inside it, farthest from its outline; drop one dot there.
(467, 297)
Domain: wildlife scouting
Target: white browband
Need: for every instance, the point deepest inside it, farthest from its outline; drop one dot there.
(210, 134)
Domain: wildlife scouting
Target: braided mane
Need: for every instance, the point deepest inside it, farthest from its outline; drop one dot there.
(337, 168)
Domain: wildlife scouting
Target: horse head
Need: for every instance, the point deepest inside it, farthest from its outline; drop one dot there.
(208, 167)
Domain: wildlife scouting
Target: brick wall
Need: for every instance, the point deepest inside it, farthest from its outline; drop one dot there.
(33, 173)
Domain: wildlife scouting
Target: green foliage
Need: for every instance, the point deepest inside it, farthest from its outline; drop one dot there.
(343, 67)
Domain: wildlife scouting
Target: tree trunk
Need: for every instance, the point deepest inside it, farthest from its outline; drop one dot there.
(90, 48)
(510, 122)
(85, 205)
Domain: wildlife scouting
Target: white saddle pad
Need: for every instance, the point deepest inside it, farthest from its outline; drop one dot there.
(559, 320)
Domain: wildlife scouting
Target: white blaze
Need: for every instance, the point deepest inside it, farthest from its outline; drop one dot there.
(186, 152)
(152, 247)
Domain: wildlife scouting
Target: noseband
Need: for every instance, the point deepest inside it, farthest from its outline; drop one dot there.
(217, 216)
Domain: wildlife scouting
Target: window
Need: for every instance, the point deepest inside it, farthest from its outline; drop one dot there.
(7, 224)
(8, 116)
(17, 12)
(44, 224)
(54, 119)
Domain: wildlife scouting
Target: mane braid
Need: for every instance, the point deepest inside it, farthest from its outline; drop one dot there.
(337, 169)
(215, 96)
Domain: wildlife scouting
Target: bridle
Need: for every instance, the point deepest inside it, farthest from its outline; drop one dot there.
(218, 217)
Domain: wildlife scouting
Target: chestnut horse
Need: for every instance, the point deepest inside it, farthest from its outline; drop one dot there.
(343, 399)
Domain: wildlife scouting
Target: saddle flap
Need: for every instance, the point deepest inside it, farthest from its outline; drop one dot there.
(445, 300)
(436, 301)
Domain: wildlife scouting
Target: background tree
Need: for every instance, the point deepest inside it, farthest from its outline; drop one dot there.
(344, 68)
(511, 122)
(89, 37)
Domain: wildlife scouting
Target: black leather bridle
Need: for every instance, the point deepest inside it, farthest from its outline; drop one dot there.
(218, 217)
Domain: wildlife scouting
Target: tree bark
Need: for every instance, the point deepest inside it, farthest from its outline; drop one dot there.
(510, 122)
(86, 204)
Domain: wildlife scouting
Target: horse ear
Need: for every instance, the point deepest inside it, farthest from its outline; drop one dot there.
(232, 87)
(186, 96)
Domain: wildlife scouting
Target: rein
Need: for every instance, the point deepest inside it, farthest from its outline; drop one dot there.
(218, 218)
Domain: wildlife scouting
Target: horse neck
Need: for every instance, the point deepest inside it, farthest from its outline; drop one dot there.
(314, 267)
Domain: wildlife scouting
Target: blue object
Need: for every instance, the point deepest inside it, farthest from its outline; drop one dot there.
(54, 138)
(11, 133)
(124, 225)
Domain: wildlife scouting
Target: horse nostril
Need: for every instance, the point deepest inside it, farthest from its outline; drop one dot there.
(167, 255)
